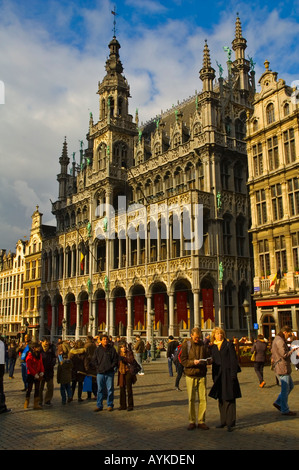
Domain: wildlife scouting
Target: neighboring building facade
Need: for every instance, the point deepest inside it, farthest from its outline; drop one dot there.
(125, 271)
(273, 160)
(32, 277)
(12, 267)
(20, 283)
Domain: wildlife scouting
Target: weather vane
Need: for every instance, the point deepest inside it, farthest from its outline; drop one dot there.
(113, 12)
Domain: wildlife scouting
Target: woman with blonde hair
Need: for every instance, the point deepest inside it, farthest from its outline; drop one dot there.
(225, 368)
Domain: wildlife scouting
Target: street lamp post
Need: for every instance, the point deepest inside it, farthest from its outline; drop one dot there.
(247, 315)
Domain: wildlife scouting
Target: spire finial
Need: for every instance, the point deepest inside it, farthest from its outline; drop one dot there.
(206, 56)
(238, 30)
(113, 12)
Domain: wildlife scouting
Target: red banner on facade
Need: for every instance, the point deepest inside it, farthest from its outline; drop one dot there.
(120, 310)
(101, 311)
(181, 305)
(73, 313)
(49, 315)
(60, 314)
(139, 309)
(85, 312)
(159, 307)
(208, 304)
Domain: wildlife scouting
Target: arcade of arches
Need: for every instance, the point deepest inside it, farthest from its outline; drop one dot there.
(175, 311)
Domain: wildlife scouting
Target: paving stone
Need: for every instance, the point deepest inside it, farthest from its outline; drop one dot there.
(157, 424)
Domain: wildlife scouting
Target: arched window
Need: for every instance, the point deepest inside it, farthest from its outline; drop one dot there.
(177, 140)
(286, 109)
(225, 174)
(102, 156)
(270, 113)
(240, 127)
(227, 235)
(229, 305)
(120, 152)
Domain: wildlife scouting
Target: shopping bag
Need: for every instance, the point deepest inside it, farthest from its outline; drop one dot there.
(87, 384)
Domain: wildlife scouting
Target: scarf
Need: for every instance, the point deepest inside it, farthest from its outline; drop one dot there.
(218, 344)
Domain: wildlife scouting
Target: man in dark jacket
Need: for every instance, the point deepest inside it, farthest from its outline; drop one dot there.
(48, 354)
(194, 360)
(105, 360)
(171, 347)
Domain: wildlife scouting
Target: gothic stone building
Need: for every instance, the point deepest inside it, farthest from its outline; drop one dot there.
(129, 253)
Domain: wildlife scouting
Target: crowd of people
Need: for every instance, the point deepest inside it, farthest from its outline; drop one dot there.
(90, 366)
(82, 366)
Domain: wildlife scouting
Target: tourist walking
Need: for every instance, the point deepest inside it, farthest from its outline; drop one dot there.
(12, 357)
(194, 357)
(77, 355)
(127, 370)
(23, 349)
(139, 351)
(225, 368)
(49, 360)
(90, 347)
(64, 373)
(281, 362)
(105, 361)
(259, 348)
(171, 347)
(179, 367)
(3, 407)
(35, 372)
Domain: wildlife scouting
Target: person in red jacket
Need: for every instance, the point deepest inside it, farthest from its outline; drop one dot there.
(35, 371)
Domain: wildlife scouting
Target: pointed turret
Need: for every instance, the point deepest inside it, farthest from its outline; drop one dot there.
(239, 44)
(241, 64)
(207, 73)
(63, 176)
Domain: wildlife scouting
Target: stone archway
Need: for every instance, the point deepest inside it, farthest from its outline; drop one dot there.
(160, 304)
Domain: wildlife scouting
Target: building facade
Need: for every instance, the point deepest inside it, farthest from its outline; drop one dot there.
(273, 161)
(12, 267)
(152, 223)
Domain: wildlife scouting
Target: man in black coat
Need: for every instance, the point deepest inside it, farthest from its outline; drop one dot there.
(171, 347)
(48, 353)
(105, 361)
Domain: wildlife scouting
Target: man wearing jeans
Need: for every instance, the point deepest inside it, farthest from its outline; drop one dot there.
(194, 360)
(105, 361)
(282, 366)
(139, 351)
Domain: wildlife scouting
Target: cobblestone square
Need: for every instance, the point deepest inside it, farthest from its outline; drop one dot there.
(159, 420)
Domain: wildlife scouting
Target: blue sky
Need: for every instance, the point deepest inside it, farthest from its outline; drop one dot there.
(53, 53)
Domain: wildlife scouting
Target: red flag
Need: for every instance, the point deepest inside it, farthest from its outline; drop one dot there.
(159, 307)
(49, 315)
(207, 303)
(60, 314)
(73, 313)
(85, 312)
(139, 309)
(101, 311)
(181, 303)
(120, 310)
